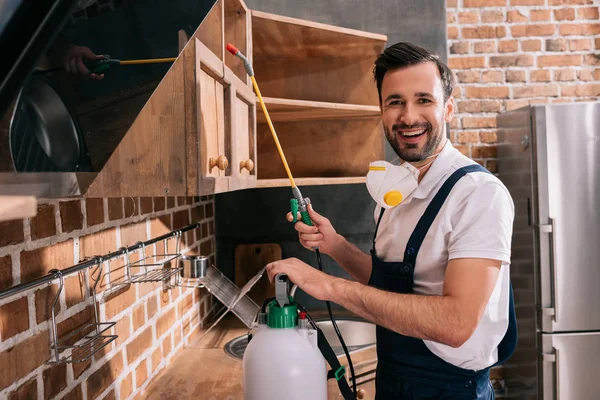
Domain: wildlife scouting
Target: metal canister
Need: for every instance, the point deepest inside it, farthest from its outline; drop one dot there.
(193, 267)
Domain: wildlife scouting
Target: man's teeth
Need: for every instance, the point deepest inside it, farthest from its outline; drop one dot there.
(413, 133)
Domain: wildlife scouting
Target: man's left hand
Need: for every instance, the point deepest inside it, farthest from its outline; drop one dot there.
(314, 282)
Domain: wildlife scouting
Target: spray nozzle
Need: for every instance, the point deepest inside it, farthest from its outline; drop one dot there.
(281, 289)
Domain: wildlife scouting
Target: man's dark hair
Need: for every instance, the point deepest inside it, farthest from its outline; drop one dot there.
(405, 54)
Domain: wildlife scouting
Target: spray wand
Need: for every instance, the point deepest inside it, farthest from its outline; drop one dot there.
(298, 203)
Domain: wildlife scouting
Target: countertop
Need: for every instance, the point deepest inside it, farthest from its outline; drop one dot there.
(204, 371)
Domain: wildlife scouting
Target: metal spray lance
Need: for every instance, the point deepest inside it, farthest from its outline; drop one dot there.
(298, 203)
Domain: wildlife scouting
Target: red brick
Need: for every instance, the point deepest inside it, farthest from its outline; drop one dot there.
(204, 229)
(488, 137)
(110, 396)
(104, 376)
(485, 47)
(484, 32)
(146, 205)
(26, 391)
(456, 48)
(450, 17)
(508, 46)
(527, 2)
(492, 76)
(99, 243)
(591, 59)
(151, 306)
(209, 210)
(580, 44)
(185, 305)
(535, 91)
(141, 374)
(516, 16)
(123, 330)
(468, 106)
(597, 74)
(487, 92)
(44, 298)
(24, 357)
(133, 233)
(36, 263)
(467, 137)
(511, 61)
(115, 208)
(540, 75)
(55, 380)
(564, 14)
(197, 214)
(71, 216)
(177, 336)
(559, 60)
(94, 211)
(556, 45)
(5, 272)
(514, 104)
(119, 301)
(468, 17)
(531, 45)
(138, 317)
(126, 386)
(484, 151)
(69, 325)
(484, 3)
(479, 122)
(569, 2)
(516, 76)
(464, 63)
(75, 394)
(167, 346)
(206, 247)
(75, 290)
(585, 75)
(491, 166)
(492, 16)
(579, 29)
(533, 30)
(564, 75)
(131, 207)
(451, 3)
(80, 367)
(161, 225)
(454, 124)
(43, 225)
(159, 204)
(165, 322)
(464, 149)
(589, 89)
(452, 32)
(139, 344)
(491, 106)
(588, 13)
(156, 358)
(181, 219)
(540, 15)
(170, 202)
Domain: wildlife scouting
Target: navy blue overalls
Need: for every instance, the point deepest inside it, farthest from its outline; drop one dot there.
(406, 368)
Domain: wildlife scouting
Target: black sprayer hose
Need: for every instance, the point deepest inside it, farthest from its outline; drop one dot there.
(337, 331)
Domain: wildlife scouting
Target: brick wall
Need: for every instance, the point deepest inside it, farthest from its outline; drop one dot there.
(507, 54)
(153, 322)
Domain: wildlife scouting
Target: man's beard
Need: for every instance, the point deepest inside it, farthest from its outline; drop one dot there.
(409, 151)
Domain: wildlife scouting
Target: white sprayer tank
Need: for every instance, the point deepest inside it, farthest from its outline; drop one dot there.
(283, 360)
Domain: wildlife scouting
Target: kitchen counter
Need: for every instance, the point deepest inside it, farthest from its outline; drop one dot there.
(204, 371)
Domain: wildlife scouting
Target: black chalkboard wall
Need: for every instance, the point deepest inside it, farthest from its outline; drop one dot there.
(258, 215)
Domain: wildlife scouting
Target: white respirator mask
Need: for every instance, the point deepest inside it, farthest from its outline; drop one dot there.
(390, 184)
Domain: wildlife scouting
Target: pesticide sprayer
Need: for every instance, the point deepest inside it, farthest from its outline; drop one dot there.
(286, 353)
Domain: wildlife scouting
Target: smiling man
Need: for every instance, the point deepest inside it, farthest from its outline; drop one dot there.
(437, 280)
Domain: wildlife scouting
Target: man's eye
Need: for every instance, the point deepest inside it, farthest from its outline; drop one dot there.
(394, 103)
(424, 101)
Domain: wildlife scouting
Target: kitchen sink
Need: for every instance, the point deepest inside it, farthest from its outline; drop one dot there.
(358, 335)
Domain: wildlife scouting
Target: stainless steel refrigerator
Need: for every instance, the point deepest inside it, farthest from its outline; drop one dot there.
(549, 158)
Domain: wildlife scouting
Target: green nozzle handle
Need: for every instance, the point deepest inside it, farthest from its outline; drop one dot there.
(294, 207)
(306, 218)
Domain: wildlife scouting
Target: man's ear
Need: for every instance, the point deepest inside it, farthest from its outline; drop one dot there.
(449, 109)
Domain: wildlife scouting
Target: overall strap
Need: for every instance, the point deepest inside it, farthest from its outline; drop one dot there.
(418, 235)
(373, 251)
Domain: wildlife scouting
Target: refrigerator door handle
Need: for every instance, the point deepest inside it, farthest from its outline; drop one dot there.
(553, 358)
(549, 229)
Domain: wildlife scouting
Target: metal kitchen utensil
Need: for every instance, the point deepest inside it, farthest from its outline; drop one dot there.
(193, 267)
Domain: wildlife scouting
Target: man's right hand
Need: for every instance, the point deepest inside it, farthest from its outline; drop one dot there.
(321, 235)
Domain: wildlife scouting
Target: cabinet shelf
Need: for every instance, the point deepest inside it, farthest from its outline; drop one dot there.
(286, 110)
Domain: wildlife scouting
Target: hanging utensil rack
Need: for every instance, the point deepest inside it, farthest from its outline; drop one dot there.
(94, 337)
(156, 271)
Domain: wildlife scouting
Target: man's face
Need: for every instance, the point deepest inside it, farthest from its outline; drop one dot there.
(414, 111)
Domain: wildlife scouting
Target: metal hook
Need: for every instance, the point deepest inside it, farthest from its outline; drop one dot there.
(57, 274)
(128, 263)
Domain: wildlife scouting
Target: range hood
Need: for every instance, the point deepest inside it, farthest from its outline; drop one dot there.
(34, 37)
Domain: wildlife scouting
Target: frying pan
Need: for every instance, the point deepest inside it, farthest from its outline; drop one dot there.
(44, 133)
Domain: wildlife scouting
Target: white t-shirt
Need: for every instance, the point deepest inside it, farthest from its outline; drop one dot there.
(475, 221)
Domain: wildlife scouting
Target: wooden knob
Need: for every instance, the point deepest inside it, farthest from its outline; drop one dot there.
(222, 163)
(248, 164)
(360, 394)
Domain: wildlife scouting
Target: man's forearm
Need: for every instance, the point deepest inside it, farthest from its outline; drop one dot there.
(435, 318)
(353, 260)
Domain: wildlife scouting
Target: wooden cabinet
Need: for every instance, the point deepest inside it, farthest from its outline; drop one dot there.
(201, 132)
